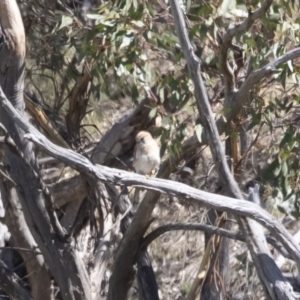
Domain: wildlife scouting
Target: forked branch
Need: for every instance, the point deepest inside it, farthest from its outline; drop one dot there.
(119, 177)
(269, 274)
(257, 75)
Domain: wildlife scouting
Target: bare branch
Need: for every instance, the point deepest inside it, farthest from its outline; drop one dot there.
(256, 76)
(207, 228)
(65, 265)
(225, 69)
(9, 283)
(12, 66)
(268, 272)
(119, 177)
(188, 226)
(225, 43)
(247, 23)
(22, 249)
(271, 281)
(48, 198)
(203, 105)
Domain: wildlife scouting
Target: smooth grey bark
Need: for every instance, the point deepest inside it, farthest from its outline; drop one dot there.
(99, 198)
(245, 139)
(265, 266)
(256, 244)
(203, 105)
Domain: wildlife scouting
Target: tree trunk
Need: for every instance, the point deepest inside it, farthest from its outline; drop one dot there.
(63, 262)
(11, 80)
(214, 286)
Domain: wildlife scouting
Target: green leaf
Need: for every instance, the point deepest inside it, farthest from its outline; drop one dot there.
(165, 122)
(193, 31)
(152, 113)
(136, 14)
(273, 170)
(127, 39)
(134, 93)
(268, 119)
(162, 95)
(285, 187)
(65, 21)
(188, 5)
(225, 110)
(184, 101)
(138, 23)
(288, 137)
(95, 16)
(284, 168)
(255, 121)
(203, 31)
(251, 42)
(204, 10)
(199, 130)
(290, 65)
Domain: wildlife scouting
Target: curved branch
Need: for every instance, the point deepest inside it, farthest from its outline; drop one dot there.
(153, 235)
(207, 228)
(268, 272)
(224, 66)
(119, 177)
(258, 75)
(247, 23)
(225, 43)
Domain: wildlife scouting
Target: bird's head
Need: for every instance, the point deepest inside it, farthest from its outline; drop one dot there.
(143, 136)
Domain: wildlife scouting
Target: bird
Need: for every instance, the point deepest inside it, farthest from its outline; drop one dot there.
(146, 158)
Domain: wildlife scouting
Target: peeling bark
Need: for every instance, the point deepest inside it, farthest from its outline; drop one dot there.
(63, 262)
(11, 284)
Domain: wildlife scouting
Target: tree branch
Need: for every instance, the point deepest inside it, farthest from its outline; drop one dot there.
(149, 238)
(256, 76)
(271, 281)
(12, 65)
(63, 261)
(9, 283)
(247, 23)
(119, 177)
(225, 43)
(203, 105)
